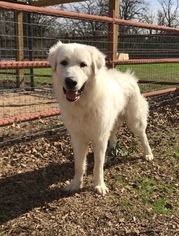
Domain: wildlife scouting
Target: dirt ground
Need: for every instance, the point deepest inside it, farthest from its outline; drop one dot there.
(143, 198)
(15, 103)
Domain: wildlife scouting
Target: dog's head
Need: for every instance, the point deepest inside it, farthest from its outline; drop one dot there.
(74, 65)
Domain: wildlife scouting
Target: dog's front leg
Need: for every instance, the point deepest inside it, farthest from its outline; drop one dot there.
(99, 158)
(80, 150)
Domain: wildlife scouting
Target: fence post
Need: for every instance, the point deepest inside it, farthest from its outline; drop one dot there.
(20, 47)
(30, 50)
(113, 31)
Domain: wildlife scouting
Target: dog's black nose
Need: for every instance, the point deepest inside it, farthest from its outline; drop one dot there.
(70, 82)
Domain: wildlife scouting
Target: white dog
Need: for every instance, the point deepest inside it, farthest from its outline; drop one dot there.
(94, 101)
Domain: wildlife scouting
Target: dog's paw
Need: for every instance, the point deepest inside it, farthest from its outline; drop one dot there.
(101, 189)
(149, 157)
(72, 187)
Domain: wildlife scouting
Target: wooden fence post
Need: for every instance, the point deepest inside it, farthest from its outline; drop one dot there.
(113, 31)
(20, 47)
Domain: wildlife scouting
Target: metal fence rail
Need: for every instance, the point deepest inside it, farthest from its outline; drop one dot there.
(60, 13)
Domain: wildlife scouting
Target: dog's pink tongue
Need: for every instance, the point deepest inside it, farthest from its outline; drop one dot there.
(71, 95)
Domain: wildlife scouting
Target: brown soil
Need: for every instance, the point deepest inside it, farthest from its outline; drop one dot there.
(24, 102)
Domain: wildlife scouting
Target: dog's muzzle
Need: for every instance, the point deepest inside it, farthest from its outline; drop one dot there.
(69, 90)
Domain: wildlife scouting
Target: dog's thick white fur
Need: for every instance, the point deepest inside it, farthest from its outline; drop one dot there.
(94, 101)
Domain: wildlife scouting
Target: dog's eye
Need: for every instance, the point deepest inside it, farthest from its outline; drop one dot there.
(83, 64)
(64, 63)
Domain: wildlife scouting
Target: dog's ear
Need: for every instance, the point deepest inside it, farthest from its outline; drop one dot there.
(98, 59)
(53, 54)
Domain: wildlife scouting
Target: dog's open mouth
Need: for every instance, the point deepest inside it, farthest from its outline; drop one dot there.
(73, 95)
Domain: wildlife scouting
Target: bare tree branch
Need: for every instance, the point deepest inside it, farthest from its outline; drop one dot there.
(169, 13)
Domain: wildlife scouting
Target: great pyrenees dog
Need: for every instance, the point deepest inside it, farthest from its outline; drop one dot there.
(94, 101)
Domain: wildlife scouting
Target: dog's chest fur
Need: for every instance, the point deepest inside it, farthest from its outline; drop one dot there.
(89, 120)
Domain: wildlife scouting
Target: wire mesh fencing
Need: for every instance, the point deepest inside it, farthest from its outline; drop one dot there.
(26, 35)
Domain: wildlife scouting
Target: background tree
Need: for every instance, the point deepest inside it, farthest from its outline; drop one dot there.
(88, 28)
(168, 15)
(129, 10)
(6, 34)
(133, 9)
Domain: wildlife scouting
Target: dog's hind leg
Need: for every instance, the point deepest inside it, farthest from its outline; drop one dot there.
(147, 150)
(137, 123)
(139, 128)
(80, 149)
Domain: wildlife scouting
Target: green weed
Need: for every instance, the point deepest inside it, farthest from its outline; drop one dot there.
(126, 205)
(147, 188)
(176, 153)
(162, 206)
(118, 151)
(2, 233)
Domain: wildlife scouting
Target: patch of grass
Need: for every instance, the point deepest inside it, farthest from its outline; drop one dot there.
(153, 72)
(162, 206)
(2, 233)
(126, 205)
(176, 153)
(164, 72)
(149, 190)
(146, 188)
(120, 180)
(39, 79)
(147, 184)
